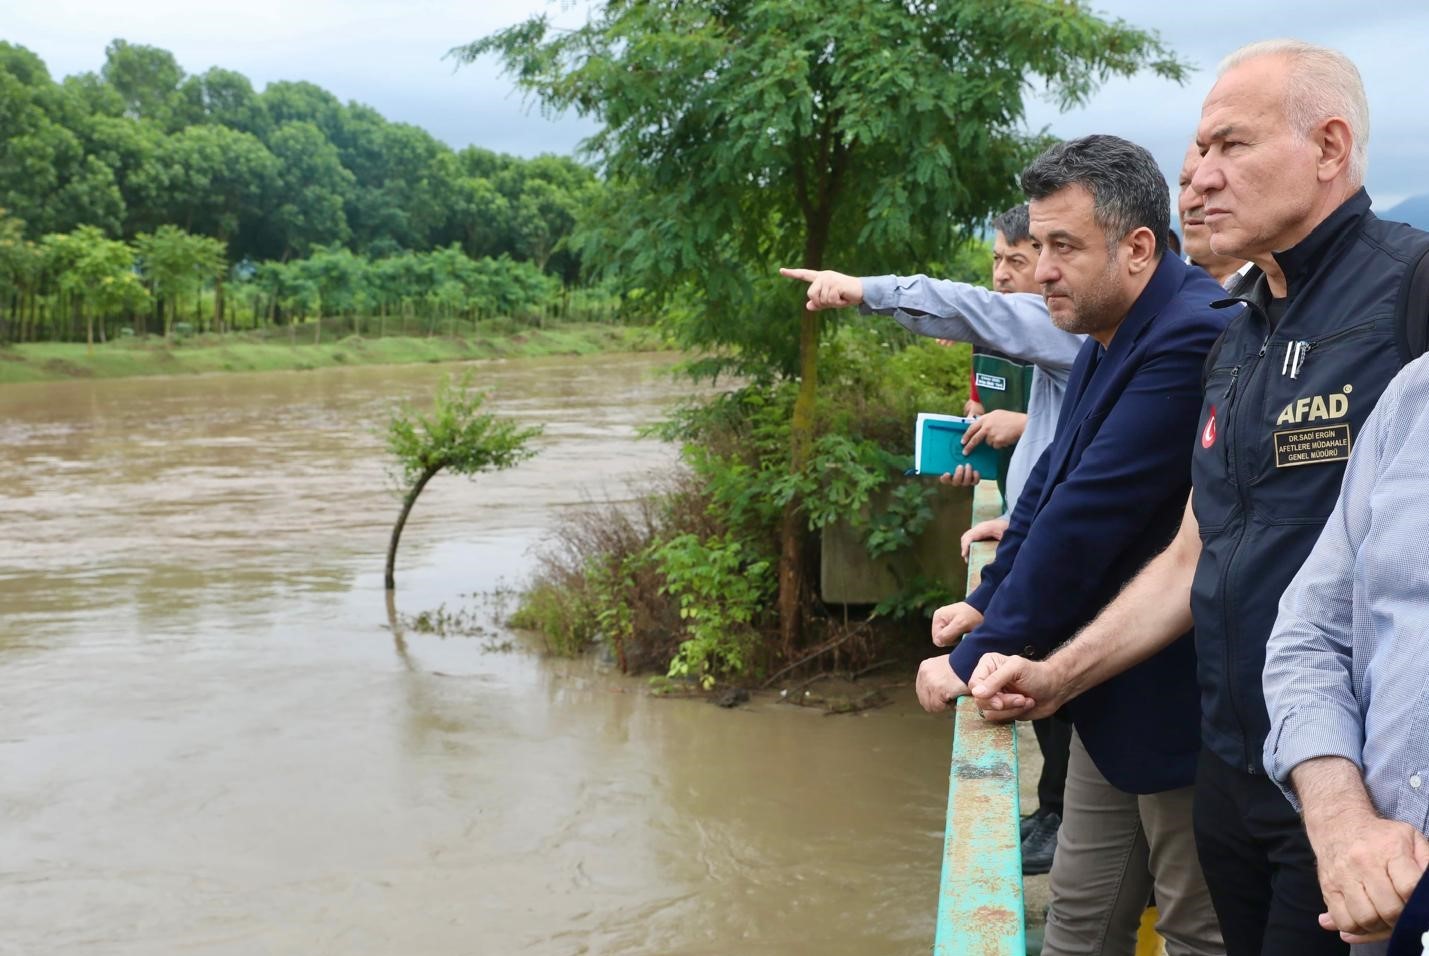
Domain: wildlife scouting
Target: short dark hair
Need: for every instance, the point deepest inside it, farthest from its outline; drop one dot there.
(1013, 224)
(1128, 190)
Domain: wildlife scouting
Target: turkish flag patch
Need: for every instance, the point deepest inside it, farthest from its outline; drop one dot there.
(1208, 434)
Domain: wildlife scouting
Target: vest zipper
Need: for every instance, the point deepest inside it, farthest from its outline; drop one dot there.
(1234, 468)
(1230, 389)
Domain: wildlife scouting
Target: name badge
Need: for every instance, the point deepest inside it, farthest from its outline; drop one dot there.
(1312, 446)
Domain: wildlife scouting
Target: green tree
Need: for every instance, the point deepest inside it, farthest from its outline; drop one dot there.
(226, 98)
(14, 274)
(216, 178)
(131, 151)
(457, 436)
(95, 274)
(338, 278)
(147, 80)
(742, 136)
(175, 262)
(45, 176)
(310, 190)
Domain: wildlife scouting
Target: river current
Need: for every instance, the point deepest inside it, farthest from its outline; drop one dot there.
(211, 743)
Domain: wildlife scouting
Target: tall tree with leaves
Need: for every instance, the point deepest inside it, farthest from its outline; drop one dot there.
(173, 262)
(95, 273)
(740, 135)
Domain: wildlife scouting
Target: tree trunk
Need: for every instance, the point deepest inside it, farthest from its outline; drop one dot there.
(792, 529)
(218, 303)
(407, 502)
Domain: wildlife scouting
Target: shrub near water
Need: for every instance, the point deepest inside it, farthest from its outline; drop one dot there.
(683, 582)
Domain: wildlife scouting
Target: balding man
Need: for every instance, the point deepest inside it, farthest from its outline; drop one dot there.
(1283, 136)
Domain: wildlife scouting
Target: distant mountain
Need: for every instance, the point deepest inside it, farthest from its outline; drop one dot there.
(1414, 210)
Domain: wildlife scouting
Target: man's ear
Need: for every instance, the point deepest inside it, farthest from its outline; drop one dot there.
(1141, 247)
(1334, 141)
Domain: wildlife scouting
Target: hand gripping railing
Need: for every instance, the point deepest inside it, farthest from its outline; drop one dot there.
(980, 893)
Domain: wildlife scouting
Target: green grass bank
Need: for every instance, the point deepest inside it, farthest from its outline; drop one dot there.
(249, 352)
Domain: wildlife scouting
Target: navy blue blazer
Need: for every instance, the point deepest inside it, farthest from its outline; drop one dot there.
(1105, 497)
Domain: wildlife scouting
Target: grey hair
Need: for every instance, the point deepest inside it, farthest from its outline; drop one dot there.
(1128, 190)
(1013, 224)
(1322, 83)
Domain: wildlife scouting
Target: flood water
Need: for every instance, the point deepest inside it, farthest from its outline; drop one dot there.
(210, 742)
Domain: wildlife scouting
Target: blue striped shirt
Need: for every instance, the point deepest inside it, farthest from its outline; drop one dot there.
(1347, 666)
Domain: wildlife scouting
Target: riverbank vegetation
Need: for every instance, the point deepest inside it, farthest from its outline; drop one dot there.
(737, 139)
(271, 351)
(683, 582)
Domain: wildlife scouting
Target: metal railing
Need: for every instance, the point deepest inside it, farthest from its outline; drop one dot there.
(980, 907)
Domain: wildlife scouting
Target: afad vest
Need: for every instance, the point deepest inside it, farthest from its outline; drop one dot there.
(1282, 409)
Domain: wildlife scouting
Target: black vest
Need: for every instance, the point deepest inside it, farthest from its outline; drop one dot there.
(1282, 408)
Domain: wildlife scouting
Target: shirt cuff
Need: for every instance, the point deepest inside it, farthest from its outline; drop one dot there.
(878, 293)
(1309, 732)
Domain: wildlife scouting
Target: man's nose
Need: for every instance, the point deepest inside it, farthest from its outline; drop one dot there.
(1207, 177)
(1046, 270)
(1188, 200)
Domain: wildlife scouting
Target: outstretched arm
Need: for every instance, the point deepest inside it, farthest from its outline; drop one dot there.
(1015, 324)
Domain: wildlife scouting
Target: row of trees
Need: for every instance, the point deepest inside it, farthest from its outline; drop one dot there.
(270, 175)
(85, 285)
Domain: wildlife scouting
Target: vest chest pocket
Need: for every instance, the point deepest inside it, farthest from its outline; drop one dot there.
(1215, 499)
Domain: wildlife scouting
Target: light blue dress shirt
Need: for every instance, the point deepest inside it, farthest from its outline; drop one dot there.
(1015, 324)
(1347, 665)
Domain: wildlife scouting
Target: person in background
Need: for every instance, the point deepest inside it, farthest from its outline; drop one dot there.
(1015, 323)
(1000, 384)
(1227, 270)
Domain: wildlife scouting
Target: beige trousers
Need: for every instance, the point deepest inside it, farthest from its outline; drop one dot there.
(1112, 850)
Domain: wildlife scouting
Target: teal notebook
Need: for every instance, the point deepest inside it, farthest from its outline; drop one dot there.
(938, 447)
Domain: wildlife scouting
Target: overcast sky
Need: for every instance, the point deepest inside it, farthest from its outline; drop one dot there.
(388, 54)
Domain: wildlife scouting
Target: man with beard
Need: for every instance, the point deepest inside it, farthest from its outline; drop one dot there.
(1105, 497)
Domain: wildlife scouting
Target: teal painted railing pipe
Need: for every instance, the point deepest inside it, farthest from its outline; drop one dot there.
(980, 894)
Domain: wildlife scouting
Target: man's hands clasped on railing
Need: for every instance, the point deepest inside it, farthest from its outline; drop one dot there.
(1007, 687)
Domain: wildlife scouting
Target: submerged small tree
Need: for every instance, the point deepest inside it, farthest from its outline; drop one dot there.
(457, 436)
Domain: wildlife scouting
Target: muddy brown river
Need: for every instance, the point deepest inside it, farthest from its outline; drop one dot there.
(210, 743)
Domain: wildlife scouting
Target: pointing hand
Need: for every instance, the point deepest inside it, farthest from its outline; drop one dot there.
(827, 289)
